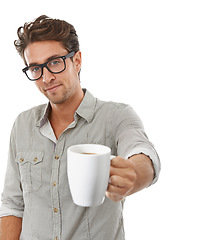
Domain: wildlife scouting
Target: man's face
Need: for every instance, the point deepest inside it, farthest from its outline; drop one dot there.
(56, 87)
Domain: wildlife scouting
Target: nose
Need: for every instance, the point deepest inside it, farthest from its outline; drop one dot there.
(47, 76)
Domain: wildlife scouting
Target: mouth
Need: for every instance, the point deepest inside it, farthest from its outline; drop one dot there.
(52, 88)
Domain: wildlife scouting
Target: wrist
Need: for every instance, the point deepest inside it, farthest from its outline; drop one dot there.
(144, 170)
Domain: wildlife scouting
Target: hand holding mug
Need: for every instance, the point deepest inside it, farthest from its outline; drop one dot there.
(122, 179)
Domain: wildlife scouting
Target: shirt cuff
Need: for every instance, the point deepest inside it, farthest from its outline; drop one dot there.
(152, 155)
(4, 212)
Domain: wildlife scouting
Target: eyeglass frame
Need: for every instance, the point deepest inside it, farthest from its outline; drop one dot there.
(69, 55)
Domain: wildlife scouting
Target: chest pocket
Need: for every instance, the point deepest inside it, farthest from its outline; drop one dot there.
(30, 167)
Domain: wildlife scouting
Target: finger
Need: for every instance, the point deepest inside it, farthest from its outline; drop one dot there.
(124, 173)
(113, 190)
(117, 193)
(114, 197)
(121, 182)
(119, 162)
(117, 181)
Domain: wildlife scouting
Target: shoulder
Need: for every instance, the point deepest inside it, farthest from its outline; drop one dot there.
(32, 115)
(118, 109)
(119, 114)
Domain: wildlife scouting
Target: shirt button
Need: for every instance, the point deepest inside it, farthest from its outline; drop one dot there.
(35, 160)
(54, 184)
(21, 159)
(56, 238)
(55, 210)
(56, 157)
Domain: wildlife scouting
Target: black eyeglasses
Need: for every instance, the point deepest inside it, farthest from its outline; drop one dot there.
(55, 65)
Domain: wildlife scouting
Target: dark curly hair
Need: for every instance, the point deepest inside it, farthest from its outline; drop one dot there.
(44, 28)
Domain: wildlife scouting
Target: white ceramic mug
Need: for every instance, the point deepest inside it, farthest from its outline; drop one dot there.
(88, 170)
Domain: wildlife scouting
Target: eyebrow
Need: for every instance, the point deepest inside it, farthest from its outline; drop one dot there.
(48, 59)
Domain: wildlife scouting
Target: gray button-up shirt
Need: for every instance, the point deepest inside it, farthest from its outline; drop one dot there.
(36, 184)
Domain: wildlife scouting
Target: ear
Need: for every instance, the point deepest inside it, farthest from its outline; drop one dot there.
(77, 61)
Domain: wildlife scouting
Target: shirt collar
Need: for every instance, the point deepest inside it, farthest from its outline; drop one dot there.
(85, 110)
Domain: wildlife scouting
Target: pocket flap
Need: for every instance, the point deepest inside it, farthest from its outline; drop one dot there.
(31, 157)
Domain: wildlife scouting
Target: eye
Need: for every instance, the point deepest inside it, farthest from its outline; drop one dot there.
(34, 69)
(55, 62)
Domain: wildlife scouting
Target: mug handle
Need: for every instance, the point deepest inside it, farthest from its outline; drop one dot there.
(111, 157)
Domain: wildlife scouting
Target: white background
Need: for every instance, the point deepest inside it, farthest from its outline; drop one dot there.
(144, 53)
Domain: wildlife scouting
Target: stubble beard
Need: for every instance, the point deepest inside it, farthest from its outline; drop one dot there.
(60, 98)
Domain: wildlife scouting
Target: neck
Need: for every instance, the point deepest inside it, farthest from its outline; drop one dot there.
(63, 113)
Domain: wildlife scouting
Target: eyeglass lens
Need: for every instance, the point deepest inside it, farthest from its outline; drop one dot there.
(55, 66)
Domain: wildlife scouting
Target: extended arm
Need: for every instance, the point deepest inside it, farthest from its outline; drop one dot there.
(137, 164)
(10, 228)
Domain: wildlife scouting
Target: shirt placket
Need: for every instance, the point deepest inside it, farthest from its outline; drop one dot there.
(56, 211)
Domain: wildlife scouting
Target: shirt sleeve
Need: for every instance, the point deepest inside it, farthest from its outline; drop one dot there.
(12, 196)
(130, 137)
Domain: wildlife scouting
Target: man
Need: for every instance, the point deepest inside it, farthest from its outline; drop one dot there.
(36, 201)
